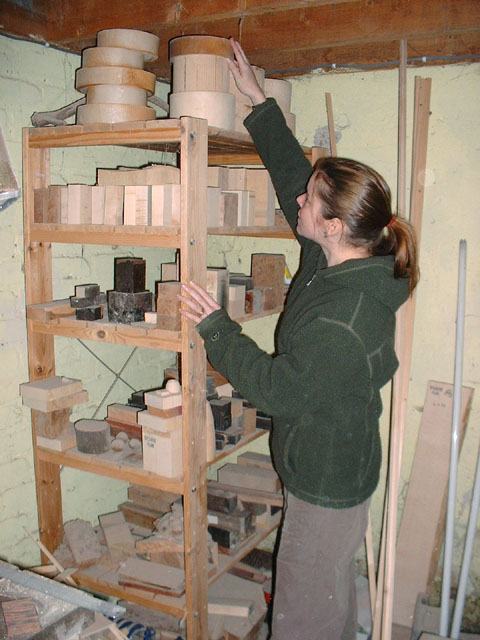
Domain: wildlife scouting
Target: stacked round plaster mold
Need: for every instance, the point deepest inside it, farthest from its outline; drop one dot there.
(281, 90)
(113, 78)
(201, 80)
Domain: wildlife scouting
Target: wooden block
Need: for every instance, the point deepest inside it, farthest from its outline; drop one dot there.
(140, 515)
(230, 607)
(136, 205)
(123, 412)
(165, 205)
(129, 275)
(254, 301)
(170, 271)
(168, 323)
(163, 449)
(254, 459)
(156, 174)
(79, 204)
(167, 300)
(244, 202)
(98, 204)
(237, 178)
(215, 210)
(21, 617)
(162, 399)
(160, 423)
(59, 403)
(268, 270)
(130, 429)
(151, 317)
(166, 413)
(57, 204)
(83, 542)
(154, 499)
(421, 530)
(152, 573)
(236, 300)
(51, 425)
(222, 413)
(249, 420)
(63, 442)
(217, 177)
(229, 208)
(92, 436)
(218, 107)
(200, 72)
(259, 181)
(220, 500)
(50, 388)
(46, 311)
(249, 477)
(239, 520)
(120, 542)
(40, 205)
(113, 205)
(217, 284)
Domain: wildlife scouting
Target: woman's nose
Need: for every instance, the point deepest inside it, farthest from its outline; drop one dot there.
(301, 199)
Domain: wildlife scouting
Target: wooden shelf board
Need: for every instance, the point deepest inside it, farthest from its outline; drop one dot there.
(101, 331)
(101, 579)
(100, 465)
(263, 314)
(253, 232)
(106, 584)
(226, 561)
(125, 235)
(164, 135)
(231, 448)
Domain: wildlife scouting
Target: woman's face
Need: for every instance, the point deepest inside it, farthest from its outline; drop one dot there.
(310, 222)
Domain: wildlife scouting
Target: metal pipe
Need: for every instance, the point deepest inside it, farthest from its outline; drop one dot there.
(467, 556)
(457, 405)
(58, 590)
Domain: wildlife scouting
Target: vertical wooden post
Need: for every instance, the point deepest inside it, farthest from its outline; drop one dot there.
(403, 347)
(41, 358)
(193, 168)
(402, 131)
(331, 125)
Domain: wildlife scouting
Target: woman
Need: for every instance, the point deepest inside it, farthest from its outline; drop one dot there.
(334, 352)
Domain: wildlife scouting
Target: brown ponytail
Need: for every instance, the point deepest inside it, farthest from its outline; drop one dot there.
(361, 199)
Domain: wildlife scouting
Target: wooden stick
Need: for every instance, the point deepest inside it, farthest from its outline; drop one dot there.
(402, 131)
(331, 126)
(51, 557)
(403, 347)
(377, 617)
(371, 565)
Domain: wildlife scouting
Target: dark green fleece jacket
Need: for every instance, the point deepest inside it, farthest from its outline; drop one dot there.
(334, 351)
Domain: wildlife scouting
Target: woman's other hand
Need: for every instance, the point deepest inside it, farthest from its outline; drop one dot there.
(199, 303)
(244, 76)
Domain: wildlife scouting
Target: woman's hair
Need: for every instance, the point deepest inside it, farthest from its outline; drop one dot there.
(361, 199)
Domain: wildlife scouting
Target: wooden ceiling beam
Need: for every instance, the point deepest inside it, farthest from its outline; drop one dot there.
(279, 35)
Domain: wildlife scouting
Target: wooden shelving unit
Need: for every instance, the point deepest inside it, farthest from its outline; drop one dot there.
(196, 145)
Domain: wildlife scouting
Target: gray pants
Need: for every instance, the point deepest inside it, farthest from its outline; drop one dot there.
(314, 595)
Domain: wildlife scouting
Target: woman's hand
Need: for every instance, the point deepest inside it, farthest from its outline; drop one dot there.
(199, 303)
(244, 76)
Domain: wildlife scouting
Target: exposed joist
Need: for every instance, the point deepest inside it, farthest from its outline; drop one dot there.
(282, 36)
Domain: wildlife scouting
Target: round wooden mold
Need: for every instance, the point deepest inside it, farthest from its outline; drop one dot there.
(281, 90)
(142, 41)
(110, 113)
(116, 94)
(114, 75)
(214, 45)
(112, 57)
(215, 106)
(200, 72)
